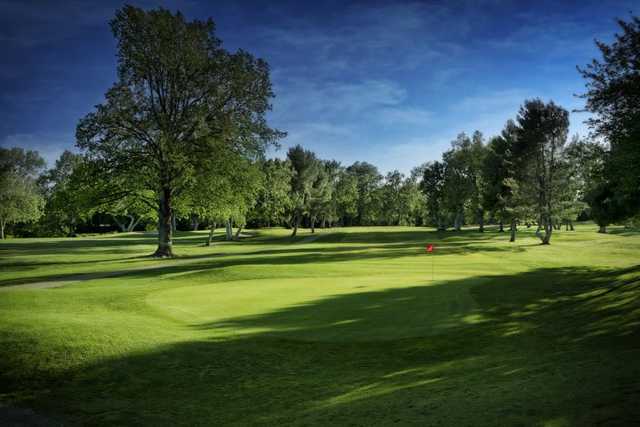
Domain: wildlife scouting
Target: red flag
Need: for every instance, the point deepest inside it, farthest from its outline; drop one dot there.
(429, 248)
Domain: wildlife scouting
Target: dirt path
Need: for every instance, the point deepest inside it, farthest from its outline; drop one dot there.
(83, 277)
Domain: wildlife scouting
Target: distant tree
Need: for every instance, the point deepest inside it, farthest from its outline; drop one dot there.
(20, 197)
(224, 189)
(542, 133)
(606, 206)
(274, 198)
(393, 206)
(305, 166)
(330, 211)
(178, 92)
(432, 186)
(368, 180)
(458, 179)
(476, 156)
(69, 198)
(346, 197)
(613, 96)
(319, 200)
(496, 169)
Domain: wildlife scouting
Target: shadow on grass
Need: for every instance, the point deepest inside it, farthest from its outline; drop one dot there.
(550, 346)
(294, 255)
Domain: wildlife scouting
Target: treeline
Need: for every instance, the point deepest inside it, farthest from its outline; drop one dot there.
(180, 142)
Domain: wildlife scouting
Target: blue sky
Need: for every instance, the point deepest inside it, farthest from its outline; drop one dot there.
(391, 83)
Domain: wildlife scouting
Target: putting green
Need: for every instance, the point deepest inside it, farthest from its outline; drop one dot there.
(344, 327)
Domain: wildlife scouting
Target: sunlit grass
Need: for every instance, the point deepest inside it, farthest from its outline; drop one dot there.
(357, 326)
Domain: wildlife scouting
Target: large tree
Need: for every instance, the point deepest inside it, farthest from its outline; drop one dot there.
(20, 197)
(613, 96)
(178, 94)
(542, 133)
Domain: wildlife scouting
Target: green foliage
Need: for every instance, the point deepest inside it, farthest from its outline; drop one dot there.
(368, 181)
(346, 196)
(178, 96)
(613, 90)
(433, 187)
(274, 198)
(541, 134)
(20, 198)
(69, 188)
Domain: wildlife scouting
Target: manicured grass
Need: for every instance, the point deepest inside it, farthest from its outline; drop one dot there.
(346, 327)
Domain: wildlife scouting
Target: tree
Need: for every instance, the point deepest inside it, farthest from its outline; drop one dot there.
(330, 210)
(393, 207)
(319, 200)
(225, 188)
(542, 133)
(69, 199)
(613, 96)
(606, 207)
(178, 94)
(306, 167)
(432, 185)
(368, 180)
(476, 155)
(346, 197)
(458, 179)
(20, 198)
(496, 169)
(274, 198)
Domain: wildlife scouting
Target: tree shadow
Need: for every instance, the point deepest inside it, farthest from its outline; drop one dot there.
(292, 254)
(554, 345)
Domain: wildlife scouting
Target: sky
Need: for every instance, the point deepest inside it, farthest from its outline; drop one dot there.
(390, 83)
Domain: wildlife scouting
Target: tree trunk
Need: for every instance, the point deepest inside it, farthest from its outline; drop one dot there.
(238, 232)
(571, 225)
(165, 230)
(122, 227)
(228, 230)
(213, 229)
(313, 225)
(173, 223)
(323, 224)
(547, 226)
(296, 224)
(513, 230)
(2, 224)
(480, 220)
(195, 223)
(500, 227)
(133, 221)
(457, 222)
(602, 229)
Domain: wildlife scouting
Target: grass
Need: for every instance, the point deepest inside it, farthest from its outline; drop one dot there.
(348, 328)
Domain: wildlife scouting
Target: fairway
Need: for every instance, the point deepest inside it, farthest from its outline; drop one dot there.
(341, 327)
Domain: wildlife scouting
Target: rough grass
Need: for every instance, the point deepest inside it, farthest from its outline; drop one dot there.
(347, 329)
